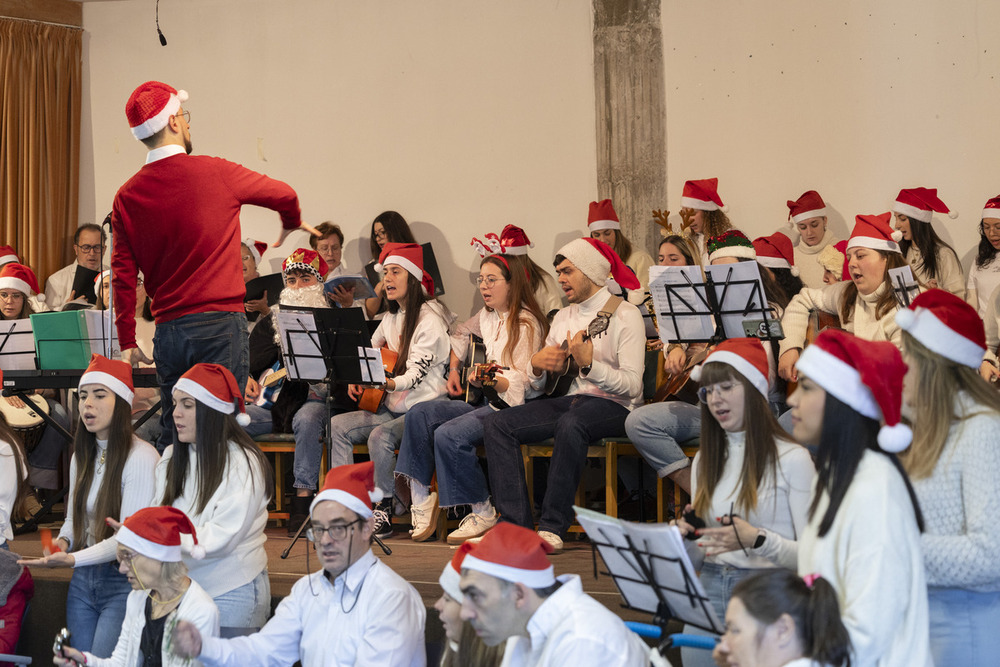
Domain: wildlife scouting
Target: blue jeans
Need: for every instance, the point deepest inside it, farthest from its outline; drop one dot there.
(95, 607)
(963, 626)
(718, 582)
(243, 610)
(657, 429)
(573, 422)
(307, 425)
(382, 430)
(216, 337)
(443, 435)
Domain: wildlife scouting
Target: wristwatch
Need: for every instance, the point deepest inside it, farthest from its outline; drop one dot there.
(761, 538)
(585, 370)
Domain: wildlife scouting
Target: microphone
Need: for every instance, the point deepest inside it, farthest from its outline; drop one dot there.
(163, 40)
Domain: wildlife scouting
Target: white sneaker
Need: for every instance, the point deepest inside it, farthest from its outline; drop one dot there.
(472, 527)
(553, 539)
(423, 518)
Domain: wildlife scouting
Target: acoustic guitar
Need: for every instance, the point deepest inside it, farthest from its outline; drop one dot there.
(557, 383)
(476, 357)
(372, 397)
(674, 384)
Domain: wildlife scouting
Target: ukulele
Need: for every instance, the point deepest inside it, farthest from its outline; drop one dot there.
(372, 397)
(673, 385)
(557, 383)
(476, 357)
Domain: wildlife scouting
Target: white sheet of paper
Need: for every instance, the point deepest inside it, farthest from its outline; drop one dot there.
(665, 557)
(103, 334)
(372, 370)
(681, 311)
(904, 274)
(738, 296)
(300, 346)
(18, 351)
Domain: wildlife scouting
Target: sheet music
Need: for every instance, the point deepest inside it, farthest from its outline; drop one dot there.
(300, 346)
(904, 285)
(17, 345)
(682, 312)
(742, 298)
(372, 370)
(103, 334)
(664, 556)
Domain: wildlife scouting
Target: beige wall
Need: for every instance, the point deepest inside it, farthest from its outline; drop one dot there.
(464, 116)
(853, 99)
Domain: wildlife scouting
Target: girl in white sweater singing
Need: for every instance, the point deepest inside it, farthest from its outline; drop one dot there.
(954, 463)
(218, 477)
(750, 483)
(111, 475)
(864, 520)
(865, 304)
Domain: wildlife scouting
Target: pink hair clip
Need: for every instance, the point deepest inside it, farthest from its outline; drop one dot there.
(810, 579)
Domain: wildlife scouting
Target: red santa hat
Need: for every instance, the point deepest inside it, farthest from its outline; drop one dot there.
(730, 243)
(410, 256)
(150, 106)
(873, 231)
(8, 254)
(920, 204)
(304, 259)
(865, 375)
(833, 259)
(353, 486)
(215, 386)
(256, 249)
(20, 277)
(602, 216)
(746, 355)
(99, 278)
(115, 375)
(452, 573)
(775, 252)
(992, 208)
(703, 195)
(946, 325)
(156, 532)
(515, 241)
(808, 205)
(514, 554)
(597, 260)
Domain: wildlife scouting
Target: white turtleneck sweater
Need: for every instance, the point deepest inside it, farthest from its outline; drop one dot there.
(782, 504)
(950, 276)
(864, 324)
(137, 493)
(807, 259)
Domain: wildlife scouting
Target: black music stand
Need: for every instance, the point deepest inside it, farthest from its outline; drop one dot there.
(904, 285)
(651, 570)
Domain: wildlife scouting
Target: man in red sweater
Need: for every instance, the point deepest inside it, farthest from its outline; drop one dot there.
(177, 221)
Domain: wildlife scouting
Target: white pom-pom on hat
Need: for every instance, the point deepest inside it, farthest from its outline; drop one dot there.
(894, 439)
(897, 236)
(378, 267)
(696, 373)
(905, 318)
(952, 214)
(40, 298)
(795, 271)
(376, 495)
(197, 552)
(243, 419)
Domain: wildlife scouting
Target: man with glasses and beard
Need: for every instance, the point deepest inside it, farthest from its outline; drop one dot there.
(88, 245)
(295, 406)
(177, 221)
(355, 611)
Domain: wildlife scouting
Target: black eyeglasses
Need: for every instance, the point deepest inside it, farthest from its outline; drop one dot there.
(87, 249)
(336, 532)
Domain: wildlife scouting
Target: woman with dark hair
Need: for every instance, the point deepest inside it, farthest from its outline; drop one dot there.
(865, 304)
(388, 227)
(17, 284)
(865, 522)
(603, 225)
(984, 276)
(217, 476)
(416, 330)
(778, 619)
(111, 475)
(703, 213)
(777, 262)
(750, 483)
(934, 262)
(954, 463)
(442, 436)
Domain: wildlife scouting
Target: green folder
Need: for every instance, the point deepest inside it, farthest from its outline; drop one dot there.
(62, 341)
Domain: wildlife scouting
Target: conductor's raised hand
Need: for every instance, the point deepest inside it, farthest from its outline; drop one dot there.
(133, 356)
(185, 640)
(303, 226)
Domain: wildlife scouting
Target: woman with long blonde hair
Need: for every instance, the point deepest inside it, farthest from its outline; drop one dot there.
(954, 463)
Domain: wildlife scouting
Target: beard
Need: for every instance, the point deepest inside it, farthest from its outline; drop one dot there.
(309, 297)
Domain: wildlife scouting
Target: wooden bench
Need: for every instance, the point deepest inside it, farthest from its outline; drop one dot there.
(281, 444)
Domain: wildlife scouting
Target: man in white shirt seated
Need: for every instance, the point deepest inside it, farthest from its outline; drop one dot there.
(510, 589)
(88, 244)
(606, 338)
(355, 611)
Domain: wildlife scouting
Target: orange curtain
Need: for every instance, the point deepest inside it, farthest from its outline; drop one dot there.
(41, 69)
